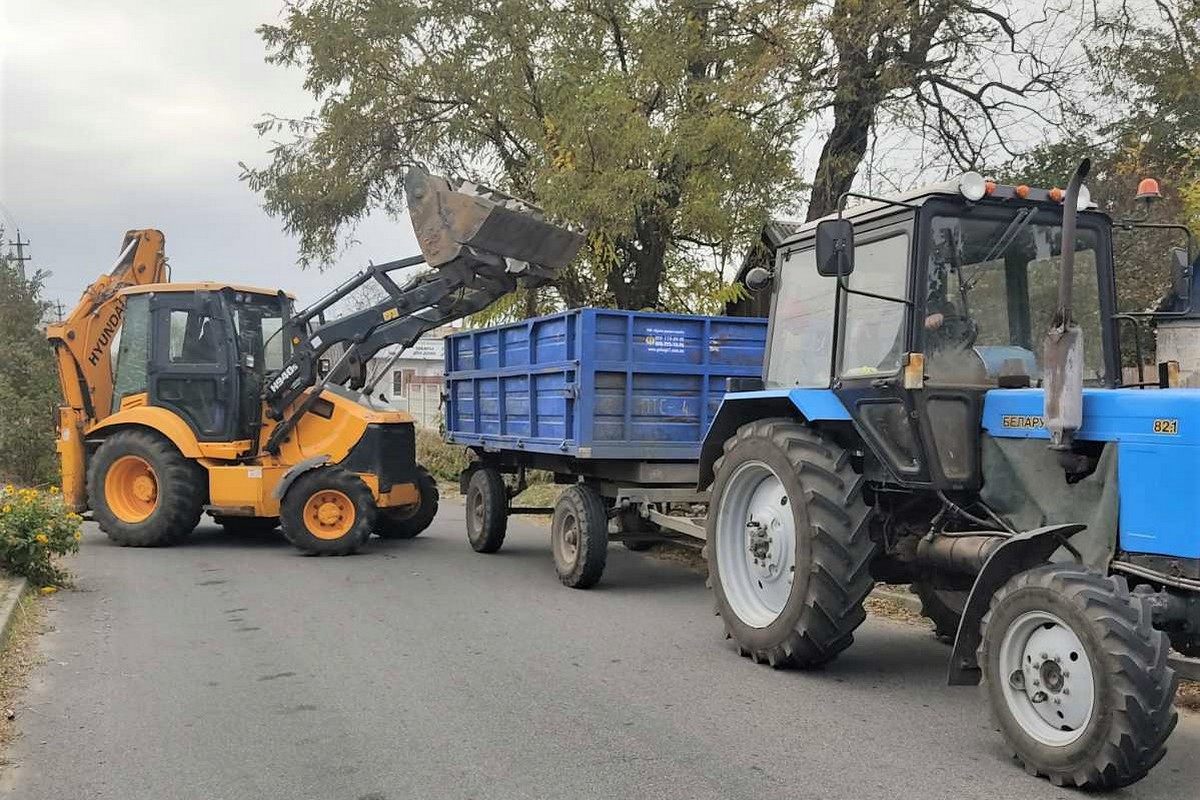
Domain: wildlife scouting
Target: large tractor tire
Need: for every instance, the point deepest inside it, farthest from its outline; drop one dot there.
(579, 537)
(1077, 678)
(487, 510)
(247, 526)
(789, 550)
(942, 607)
(328, 512)
(405, 523)
(143, 492)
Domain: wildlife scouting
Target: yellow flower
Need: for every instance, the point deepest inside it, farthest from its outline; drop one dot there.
(6, 508)
(8, 487)
(41, 537)
(52, 489)
(48, 589)
(78, 535)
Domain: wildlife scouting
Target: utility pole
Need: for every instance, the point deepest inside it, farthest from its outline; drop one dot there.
(59, 306)
(20, 258)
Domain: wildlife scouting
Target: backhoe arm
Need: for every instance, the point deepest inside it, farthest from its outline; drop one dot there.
(83, 350)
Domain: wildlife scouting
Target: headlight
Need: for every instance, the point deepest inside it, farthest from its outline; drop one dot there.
(972, 186)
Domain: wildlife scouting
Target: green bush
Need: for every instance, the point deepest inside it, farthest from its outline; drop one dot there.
(444, 461)
(35, 528)
(28, 380)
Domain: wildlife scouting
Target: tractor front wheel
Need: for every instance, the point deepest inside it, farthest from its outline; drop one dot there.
(143, 492)
(1077, 678)
(789, 549)
(328, 512)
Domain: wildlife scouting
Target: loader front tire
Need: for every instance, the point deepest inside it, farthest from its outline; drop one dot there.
(143, 492)
(410, 521)
(328, 512)
(1077, 677)
(789, 549)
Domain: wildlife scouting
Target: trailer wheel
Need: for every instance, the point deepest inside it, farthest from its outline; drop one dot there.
(788, 544)
(328, 512)
(487, 510)
(942, 607)
(247, 526)
(1077, 678)
(579, 537)
(410, 521)
(144, 492)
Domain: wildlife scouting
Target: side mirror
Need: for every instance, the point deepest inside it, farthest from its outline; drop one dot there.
(835, 247)
(758, 279)
(1181, 273)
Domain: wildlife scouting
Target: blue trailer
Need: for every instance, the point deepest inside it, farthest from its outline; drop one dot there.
(616, 403)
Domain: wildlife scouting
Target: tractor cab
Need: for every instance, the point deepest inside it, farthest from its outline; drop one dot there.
(200, 350)
(911, 309)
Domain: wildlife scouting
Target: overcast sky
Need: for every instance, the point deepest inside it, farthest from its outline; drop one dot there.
(135, 113)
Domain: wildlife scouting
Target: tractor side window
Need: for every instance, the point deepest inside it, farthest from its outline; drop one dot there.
(193, 338)
(133, 350)
(874, 339)
(801, 337)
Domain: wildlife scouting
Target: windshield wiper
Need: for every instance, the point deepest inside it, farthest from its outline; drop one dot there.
(1019, 222)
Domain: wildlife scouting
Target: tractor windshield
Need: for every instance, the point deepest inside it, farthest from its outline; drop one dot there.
(992, 289)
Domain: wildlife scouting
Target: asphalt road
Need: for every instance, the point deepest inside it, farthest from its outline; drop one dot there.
(232, 668)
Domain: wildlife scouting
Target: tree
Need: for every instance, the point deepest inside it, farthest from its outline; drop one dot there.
(965, 79)
(665, 128)
(28, 387)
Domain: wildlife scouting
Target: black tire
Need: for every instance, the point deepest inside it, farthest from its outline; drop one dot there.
(942, 607)
(579, 537)
(306, 534)
(832, 544)
(487, 510)
(248, 526)
(180, 485)
(405, 523)
(1125, 734)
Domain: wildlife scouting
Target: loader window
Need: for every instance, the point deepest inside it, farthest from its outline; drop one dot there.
(193, 338)
(133, 349)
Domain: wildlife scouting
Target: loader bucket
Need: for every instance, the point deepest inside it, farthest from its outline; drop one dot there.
(456, 218)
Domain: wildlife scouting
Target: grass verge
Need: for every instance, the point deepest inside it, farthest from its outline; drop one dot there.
(18, 656)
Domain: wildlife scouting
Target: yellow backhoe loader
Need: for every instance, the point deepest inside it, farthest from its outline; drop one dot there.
(182, 398)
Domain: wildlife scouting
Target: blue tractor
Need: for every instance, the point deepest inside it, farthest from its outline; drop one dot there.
(942, 404)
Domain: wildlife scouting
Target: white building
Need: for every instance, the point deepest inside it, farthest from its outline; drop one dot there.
(414, 382)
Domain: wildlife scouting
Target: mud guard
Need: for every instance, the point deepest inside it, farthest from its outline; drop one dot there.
(295, 471)
(1021, 552)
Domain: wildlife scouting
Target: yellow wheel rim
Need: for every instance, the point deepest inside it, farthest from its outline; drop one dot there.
(131, 489)
(329, 514)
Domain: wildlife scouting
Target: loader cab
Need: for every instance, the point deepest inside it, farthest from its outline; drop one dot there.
(201, 351)
(911, 309)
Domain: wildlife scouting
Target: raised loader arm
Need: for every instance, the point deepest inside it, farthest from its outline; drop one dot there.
(481, 244)
(83, 350)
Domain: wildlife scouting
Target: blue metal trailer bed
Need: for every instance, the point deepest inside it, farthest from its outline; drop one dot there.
(614, 402)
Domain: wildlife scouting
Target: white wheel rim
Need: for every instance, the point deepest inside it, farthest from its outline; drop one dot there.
(1047, 678)
(756, 544)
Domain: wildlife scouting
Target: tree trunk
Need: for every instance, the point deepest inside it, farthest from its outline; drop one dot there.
(841, 156)
(634, 283)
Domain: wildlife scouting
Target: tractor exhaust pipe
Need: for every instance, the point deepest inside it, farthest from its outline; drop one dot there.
(1063, 346)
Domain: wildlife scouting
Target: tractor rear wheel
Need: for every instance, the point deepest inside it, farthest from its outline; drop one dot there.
(579, 537)
(410, 521)
(1077, 678)
(789, 549)
(487, 510)
(942, 607)
(328, 512)
(143, 492)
